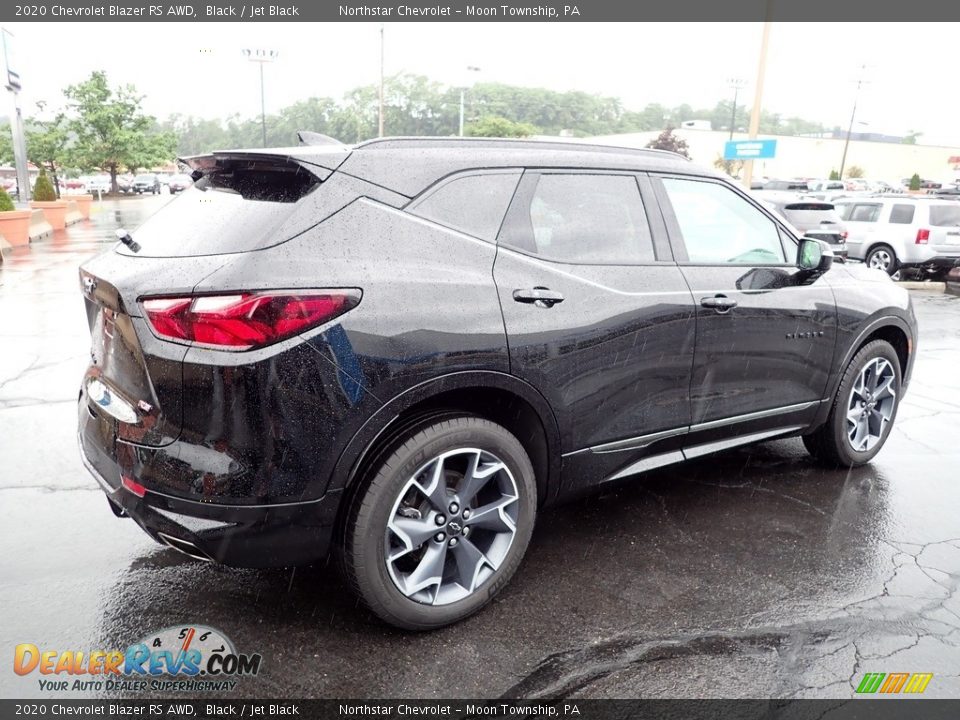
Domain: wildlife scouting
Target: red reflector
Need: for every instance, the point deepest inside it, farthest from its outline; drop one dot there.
(923, 236)
(133, 486)
(245, 320)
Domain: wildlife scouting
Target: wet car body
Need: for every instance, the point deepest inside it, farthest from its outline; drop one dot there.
(247, 458)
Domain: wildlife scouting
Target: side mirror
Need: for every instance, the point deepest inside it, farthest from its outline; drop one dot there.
(814, 257)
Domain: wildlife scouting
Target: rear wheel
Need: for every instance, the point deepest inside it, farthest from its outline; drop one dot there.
(882, 257)
(863, 410)
(442, 525)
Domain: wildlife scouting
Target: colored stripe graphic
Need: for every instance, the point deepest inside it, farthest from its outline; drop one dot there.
(894, 682)
(918, 682)
(870, 683)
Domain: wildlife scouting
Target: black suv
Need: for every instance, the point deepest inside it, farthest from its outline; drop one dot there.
(403, 350)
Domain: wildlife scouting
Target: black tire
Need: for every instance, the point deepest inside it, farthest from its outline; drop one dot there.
(365, 531)
(830, 443)
(878, 253)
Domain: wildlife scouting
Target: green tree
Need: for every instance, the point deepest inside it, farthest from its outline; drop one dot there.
(834, 175)
(47, 146)
(915, 182)
(668, 141)
(492, 126)
(911, 137)
(111, 131)
(42, 189)
(855, 171)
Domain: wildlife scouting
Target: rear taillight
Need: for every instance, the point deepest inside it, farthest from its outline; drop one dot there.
(844, 234)
(242, 321)
(923, 236)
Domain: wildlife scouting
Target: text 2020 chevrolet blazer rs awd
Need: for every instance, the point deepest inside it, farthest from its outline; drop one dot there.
(400, 351)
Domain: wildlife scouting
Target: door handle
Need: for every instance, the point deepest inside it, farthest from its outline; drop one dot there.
(720, 303)
(540, 296)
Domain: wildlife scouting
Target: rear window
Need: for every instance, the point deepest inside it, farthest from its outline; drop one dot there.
(807, 216)
(234, 209)
(945, 215)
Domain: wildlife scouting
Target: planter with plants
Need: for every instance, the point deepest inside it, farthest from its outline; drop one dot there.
(83, 202)
(45, 198)
(14, 224)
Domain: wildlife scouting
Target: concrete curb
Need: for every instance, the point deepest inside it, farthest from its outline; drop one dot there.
(934, 287)
(953, 288)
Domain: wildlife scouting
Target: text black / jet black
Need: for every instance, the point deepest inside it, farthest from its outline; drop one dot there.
(404, 349)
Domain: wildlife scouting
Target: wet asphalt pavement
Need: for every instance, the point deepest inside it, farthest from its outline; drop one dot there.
(752, 573)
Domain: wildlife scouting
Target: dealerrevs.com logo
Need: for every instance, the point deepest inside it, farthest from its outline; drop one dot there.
(190, 658)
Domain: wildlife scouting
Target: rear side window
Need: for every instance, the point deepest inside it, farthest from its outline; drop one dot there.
(945, 215)
(583, 218)
(863, 213)
(902, 214)
(473, 204)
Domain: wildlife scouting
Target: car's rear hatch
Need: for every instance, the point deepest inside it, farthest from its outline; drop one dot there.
(241, 202)
(945, 228)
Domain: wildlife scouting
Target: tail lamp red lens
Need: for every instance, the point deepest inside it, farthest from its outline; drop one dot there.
(923, 236)
(243, 321)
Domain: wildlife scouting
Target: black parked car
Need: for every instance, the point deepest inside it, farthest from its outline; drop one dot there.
(147, 183)
(402, 350)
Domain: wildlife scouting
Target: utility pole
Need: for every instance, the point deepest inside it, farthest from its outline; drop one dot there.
(758, 91)
(856, 96)
(737, 84)
(381, 82)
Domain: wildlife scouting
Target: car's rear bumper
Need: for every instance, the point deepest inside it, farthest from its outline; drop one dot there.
(238, 535)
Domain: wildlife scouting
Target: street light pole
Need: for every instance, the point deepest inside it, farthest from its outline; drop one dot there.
(262, 57)
(463, 90)
(853, 114)
(381, 82)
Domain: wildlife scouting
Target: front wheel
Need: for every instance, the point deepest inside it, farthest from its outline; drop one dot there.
(442, 525)
(863, 411)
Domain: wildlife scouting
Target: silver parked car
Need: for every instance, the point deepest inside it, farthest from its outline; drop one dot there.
(894, 233)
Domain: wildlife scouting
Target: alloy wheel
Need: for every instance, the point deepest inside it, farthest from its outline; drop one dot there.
(872, 402)
(881, 260)
(451, 526)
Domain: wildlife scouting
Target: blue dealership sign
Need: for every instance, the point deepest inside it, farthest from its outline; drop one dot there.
(749, 149)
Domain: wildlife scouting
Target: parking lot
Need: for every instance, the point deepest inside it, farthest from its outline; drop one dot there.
(754, 573)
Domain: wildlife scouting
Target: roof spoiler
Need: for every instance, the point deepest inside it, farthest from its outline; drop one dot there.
(308, 137)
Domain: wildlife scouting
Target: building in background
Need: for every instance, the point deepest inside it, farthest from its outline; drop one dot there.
(814, 157)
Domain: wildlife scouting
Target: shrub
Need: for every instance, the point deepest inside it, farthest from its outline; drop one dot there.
(6, 203)
(855, 171)
(43, 190)
(834, 175)
(915, 182)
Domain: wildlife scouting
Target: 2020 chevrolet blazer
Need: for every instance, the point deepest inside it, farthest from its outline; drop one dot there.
(401, 351)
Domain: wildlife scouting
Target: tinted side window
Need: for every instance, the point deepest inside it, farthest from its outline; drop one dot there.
(864, 213)
(719, 226)
(473, 204)
(580, 218)
(902, 214)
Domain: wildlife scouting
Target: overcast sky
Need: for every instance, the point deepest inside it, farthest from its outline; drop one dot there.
(198, 68)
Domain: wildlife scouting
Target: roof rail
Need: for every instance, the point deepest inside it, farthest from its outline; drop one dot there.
(392, 143)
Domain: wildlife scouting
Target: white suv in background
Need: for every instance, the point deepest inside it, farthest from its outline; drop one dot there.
(893, 233)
